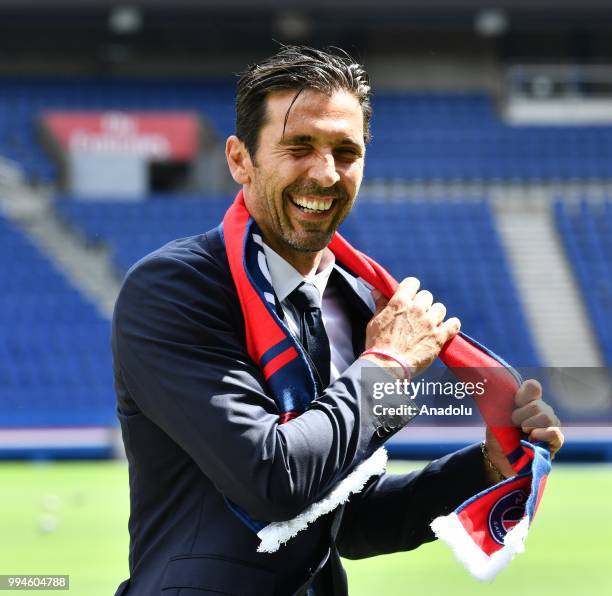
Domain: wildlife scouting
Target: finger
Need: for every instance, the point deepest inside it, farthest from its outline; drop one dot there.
(536, 409)
(551, 435)
(529, 391)
(408, 288)
(541, 420)
(437, 312)
(519, 415)
(449, 329)
(424, 299)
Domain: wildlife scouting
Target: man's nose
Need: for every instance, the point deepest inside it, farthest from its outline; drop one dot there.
(323, 170)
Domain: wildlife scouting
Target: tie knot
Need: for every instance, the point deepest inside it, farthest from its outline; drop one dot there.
(305, 297)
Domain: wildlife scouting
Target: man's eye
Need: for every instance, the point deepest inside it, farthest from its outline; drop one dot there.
(347, 153)
(299, 150)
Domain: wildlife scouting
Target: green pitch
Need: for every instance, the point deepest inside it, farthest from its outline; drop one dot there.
(72, 519)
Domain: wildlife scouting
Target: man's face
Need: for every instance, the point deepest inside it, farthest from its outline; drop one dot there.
(303, 181)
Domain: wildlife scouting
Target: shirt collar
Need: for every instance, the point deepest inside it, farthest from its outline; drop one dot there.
(285, 277)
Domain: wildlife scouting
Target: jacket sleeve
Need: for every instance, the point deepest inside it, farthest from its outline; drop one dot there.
(393, 513)
(179, 350)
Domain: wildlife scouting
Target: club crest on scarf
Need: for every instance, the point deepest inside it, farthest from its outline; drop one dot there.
(506, 513)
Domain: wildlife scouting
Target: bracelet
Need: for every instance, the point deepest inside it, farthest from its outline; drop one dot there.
(485, 454)
(388, 356)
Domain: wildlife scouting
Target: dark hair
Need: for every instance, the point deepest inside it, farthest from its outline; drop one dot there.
(299, 68)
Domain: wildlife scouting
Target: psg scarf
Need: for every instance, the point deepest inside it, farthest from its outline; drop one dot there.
(488, 529)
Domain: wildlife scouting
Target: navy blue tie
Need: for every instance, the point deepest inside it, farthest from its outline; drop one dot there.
(307, 301)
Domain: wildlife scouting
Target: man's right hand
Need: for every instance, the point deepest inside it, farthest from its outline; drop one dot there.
(409, 325)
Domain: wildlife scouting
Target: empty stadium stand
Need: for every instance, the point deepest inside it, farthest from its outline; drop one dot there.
(55, 363)
(132, 230)
(586, 232)
(427, 136)
(461, 137)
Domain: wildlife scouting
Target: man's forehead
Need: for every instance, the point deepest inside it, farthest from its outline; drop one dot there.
(305, 113)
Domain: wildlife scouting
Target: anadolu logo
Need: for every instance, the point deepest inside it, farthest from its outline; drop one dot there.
(506, 513)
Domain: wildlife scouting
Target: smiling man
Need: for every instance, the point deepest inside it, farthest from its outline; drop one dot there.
(299, 186)
(239, 359)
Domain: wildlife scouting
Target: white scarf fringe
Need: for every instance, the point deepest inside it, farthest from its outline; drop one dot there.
(275, 534)
(482, 566)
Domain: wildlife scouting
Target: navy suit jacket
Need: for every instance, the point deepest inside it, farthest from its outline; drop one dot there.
(198, 425)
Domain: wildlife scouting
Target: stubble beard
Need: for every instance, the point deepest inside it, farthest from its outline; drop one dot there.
(296, 236)
(304, 237)
(314, 243)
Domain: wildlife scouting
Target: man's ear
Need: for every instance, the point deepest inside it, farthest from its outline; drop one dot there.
(238, 160)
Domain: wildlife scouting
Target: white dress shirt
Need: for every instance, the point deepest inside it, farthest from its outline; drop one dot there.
(285, 279)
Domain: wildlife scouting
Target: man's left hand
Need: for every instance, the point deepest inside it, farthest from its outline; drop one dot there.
(535, 417)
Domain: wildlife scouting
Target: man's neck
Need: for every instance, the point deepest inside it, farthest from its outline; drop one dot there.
(306, 263)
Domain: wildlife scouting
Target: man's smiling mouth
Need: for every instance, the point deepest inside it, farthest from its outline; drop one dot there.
(312, 205)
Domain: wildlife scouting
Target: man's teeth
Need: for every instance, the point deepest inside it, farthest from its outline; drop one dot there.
(313, 204)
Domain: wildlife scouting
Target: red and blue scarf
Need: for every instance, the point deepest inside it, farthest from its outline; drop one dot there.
(486, 531)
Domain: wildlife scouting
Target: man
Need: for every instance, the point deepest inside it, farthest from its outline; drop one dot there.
(206, 450)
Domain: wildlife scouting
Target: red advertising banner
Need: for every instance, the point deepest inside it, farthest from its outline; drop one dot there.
(158, 136)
